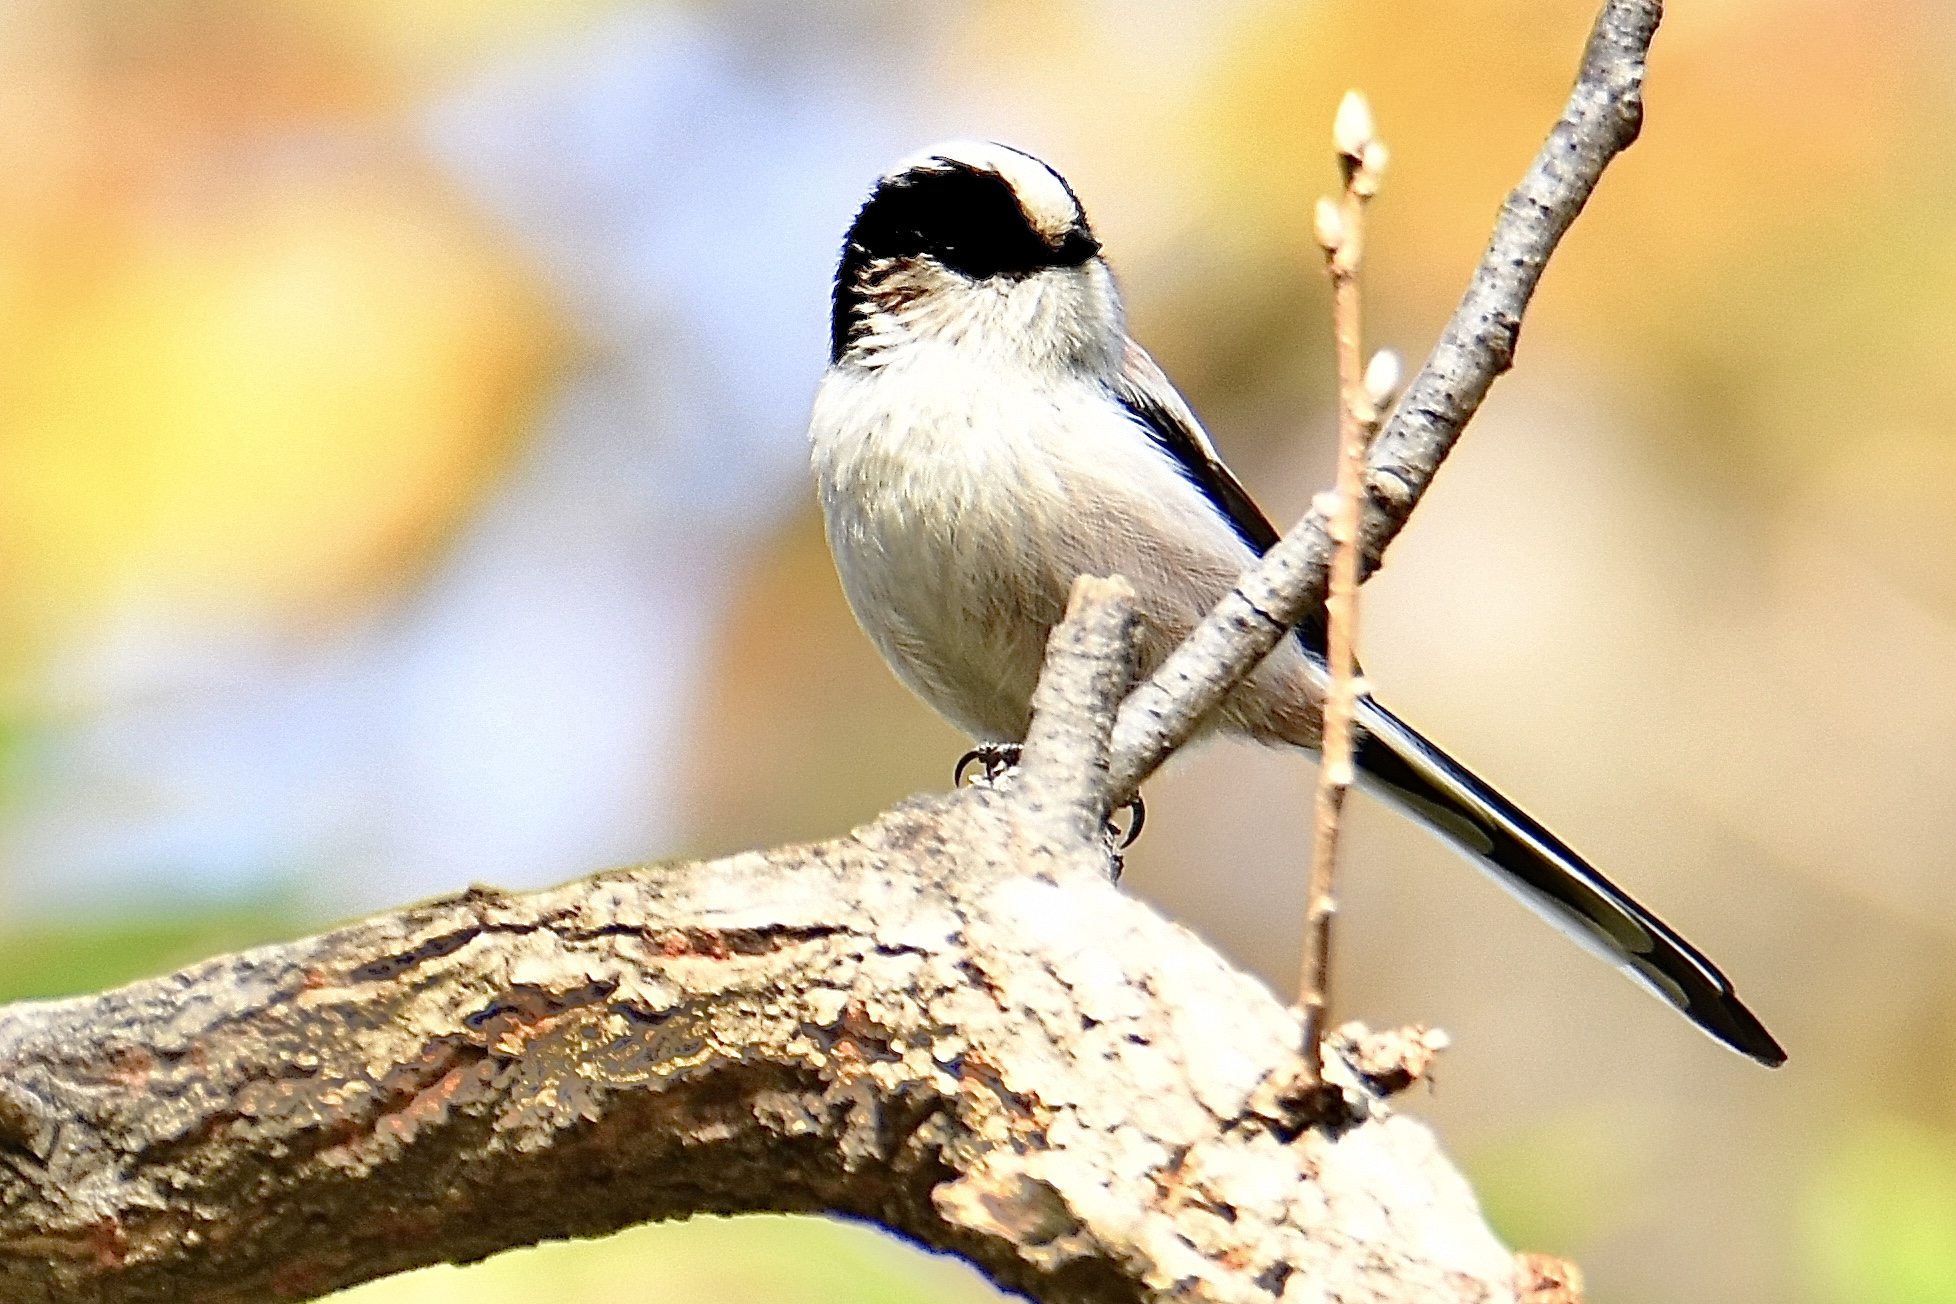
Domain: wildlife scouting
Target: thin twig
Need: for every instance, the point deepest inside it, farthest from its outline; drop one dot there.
(1600, 120)
(1340, 231)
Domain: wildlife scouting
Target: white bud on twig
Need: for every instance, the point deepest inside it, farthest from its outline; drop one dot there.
(1369, 171)
(1382, 378)
(1351, 130)
(1328, 225)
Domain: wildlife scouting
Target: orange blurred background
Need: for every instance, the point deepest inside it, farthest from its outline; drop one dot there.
(401, 483)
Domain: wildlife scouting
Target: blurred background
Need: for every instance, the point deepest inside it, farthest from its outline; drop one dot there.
(402, 483)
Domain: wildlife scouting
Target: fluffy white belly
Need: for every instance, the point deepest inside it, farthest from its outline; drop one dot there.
(960, 508)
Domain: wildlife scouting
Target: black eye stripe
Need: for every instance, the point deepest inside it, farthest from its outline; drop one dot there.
(967, 220)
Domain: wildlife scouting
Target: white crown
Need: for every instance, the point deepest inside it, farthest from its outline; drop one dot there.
(1048, 205)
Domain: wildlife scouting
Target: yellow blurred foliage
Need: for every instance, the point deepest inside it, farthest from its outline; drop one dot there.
(270, 414)
(253, 365)
(1772, 255)
(436, 37)
(759, 1259)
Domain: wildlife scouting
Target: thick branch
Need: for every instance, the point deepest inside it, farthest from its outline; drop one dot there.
(1600, 121)
(996, 1053)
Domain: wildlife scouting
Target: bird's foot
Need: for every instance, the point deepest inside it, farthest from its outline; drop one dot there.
(993, 760)
(987, 763)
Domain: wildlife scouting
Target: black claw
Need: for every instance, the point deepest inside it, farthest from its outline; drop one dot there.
(1138, 815)
(994, 758)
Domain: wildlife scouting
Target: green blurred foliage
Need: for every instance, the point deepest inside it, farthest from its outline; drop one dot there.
(754, 1260)
(1880, 1216)
(67, 958)
(1557, 1186)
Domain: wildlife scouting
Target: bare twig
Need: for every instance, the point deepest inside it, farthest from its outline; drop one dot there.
(1340, 229)
(1600, 120)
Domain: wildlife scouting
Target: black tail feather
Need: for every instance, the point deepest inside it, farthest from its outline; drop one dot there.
(1398, 764)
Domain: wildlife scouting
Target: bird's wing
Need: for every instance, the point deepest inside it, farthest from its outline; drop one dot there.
(1149, 397)
(1145, 391)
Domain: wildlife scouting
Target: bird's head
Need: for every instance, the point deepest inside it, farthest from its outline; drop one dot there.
(978, 244)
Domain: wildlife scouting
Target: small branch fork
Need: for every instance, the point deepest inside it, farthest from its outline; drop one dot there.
(948, 1022)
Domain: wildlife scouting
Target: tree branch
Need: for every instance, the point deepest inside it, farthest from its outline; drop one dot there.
(1600, 121)
(1062, 777)
(993, 1051)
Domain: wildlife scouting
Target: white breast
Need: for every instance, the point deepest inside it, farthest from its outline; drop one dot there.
(962, 498)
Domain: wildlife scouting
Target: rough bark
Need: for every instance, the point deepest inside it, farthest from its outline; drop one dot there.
(950, 1022)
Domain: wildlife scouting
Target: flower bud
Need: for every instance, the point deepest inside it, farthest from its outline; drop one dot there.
(1382, 378)
(1328, 224)
(1351, 130)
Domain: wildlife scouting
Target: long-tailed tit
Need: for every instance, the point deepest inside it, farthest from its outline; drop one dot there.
(987, 431)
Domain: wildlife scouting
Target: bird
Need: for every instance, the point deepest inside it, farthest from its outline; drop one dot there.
(986, 431)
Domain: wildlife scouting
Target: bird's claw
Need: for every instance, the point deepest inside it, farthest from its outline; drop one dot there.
(1138, 815)
(993, 760)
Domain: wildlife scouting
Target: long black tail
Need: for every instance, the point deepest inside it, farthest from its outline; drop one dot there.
(1396, 763)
